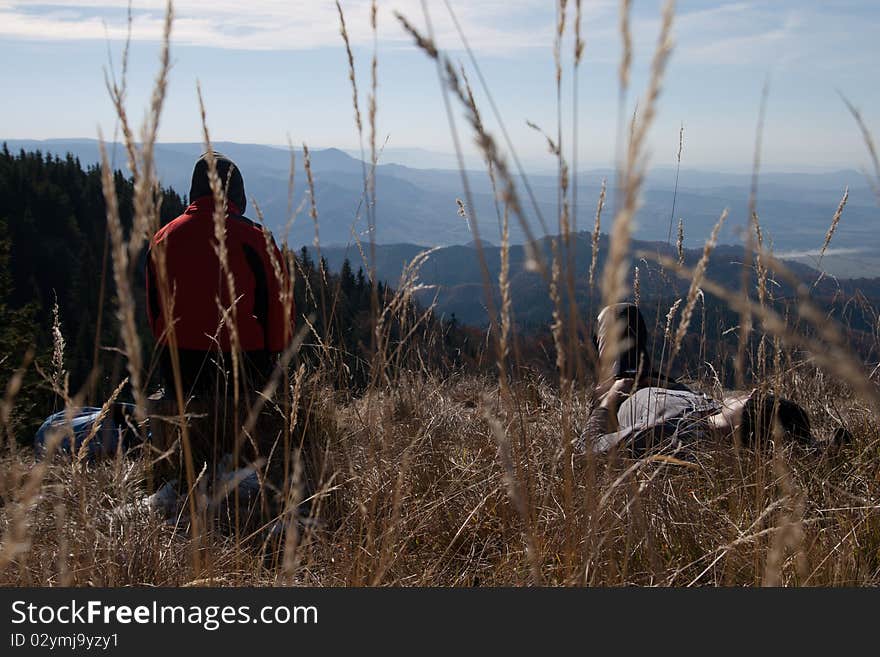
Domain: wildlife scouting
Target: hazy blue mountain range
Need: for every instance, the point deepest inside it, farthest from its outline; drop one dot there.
(453, 278)
(418, 206)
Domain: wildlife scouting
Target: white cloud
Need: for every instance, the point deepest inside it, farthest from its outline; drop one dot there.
(729, 33)
(725, 33)
(491, 25)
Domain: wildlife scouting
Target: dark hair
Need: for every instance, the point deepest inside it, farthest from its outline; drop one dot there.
(635, 357)
(232, 182)
(762, 411)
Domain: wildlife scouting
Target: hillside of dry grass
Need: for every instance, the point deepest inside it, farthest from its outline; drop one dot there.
(424, 490)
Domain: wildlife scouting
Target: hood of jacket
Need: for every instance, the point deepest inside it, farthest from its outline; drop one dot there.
(230, 178)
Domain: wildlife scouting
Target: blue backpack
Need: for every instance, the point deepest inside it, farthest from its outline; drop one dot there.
(112, 433)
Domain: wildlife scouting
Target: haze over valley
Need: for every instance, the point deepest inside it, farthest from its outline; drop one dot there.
(418, 205)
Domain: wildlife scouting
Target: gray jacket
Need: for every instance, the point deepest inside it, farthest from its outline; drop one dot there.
(651, 418)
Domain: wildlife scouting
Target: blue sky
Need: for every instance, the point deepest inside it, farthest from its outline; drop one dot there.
(273, 68)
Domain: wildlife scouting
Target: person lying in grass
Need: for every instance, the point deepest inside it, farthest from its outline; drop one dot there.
(640, 409)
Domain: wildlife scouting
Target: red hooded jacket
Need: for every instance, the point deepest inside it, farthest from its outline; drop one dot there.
(198, 285)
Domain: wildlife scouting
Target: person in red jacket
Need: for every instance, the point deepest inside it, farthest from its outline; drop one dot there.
(198, 287)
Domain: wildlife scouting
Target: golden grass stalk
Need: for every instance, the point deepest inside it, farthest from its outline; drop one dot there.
(833, 358)
(514, 492)
(472, 103)
(59, 374)
(124, 292)
(578, 41)
(279, 270)
(789, 536)
(99, 420)
(615, 270)
(557, 44)
(667, 332)
(745, 320)
(834, 221)
(142, 166)
(117, 90)
(351, 77)
(277, 378)
(374, 160)
(556, 326)
(637, 287)
(578, 53)
(556, 266)
(374, 84)
(626, 39)
(679, 242)
(296, 395)
(15, 541)
(762, 271)
(228, 313)
(555, 148)
(597, 226)
(485, 142)
(461, 211)
(449, 77)
(533, 265)
(760, 265)
(369, 197)
(675, 187)
(28, 491)
(506, 301)
(806, 308)
(146, 220)
(146, 186)
(313, 213)
(290, 561)
(696, 283)
(291, 177)
(313, 206)
(869, 144)
(503, 347)
(563, 363)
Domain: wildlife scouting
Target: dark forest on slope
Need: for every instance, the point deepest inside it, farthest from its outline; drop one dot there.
(53, 247)
(53, 241)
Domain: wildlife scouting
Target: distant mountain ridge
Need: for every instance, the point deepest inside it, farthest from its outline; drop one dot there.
(454, 277)
(418, 206)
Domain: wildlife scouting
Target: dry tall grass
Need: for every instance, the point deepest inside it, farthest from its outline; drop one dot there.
(467, 480)
(713, 522)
